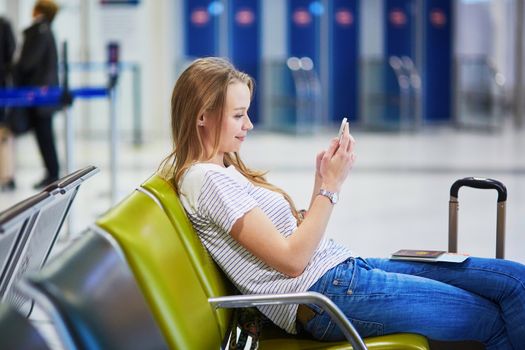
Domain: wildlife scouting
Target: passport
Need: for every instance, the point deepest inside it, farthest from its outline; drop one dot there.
(415, 253)
(430, 256)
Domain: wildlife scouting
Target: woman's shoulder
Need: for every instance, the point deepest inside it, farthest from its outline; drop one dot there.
(198, 171)
(198, 174)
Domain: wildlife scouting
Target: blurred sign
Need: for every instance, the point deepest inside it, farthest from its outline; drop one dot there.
(438, 18)
(245, 17)
(344, 17)
(200, 16)
(397, 17)
(301, 17)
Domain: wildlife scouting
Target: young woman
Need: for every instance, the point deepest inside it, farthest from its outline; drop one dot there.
(254, 233)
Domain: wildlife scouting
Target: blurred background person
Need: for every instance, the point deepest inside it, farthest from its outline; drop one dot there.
(38, 66)
(7, 49)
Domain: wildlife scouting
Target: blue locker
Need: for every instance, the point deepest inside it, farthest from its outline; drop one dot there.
(245, 42)
(344, 59)
(304, 25)
(437, 74)
(399, 18)
(201, 22)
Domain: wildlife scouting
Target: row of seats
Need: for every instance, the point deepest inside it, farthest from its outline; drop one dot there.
(139, 278)
(29, 230)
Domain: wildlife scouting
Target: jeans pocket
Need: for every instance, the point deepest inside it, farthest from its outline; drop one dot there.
(341, 278)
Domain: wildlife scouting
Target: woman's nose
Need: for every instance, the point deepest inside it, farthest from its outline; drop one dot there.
(247, 123)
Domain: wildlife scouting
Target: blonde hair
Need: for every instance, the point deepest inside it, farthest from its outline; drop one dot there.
(202, 88)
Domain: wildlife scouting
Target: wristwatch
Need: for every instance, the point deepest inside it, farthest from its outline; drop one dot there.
(332, 196)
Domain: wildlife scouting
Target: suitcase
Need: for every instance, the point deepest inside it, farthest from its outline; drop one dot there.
(481, 183)
(7, 162)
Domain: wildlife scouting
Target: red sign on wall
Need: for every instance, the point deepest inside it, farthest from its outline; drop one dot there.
(397, 17)
(245, 17)
(344, 17)
(302, 17)
(200, 16)
(438, 18)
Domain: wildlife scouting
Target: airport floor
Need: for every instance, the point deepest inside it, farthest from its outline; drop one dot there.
(395, 197)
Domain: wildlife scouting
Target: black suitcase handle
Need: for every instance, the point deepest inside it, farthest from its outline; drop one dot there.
(482, 183)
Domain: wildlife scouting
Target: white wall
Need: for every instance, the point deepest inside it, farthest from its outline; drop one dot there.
(371, 29)
(487, 28)
(274, 29)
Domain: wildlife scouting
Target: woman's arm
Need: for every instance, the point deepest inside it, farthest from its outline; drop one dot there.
(318, 178)
(290, 255)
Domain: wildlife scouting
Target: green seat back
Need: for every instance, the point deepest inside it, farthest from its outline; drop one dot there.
(212, 279)
(164, 271)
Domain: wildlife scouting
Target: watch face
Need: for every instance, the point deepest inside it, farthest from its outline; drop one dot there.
(334, 198)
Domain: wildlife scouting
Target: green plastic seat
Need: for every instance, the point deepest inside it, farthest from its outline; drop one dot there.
(177, 276)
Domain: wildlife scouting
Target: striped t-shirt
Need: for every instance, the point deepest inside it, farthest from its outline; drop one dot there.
(215, 198)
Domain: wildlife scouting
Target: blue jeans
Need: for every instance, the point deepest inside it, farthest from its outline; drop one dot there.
(479, 299)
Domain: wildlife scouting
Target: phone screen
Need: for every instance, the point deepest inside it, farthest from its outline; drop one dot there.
(341, 128)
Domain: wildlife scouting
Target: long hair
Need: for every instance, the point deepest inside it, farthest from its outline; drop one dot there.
(202, 88)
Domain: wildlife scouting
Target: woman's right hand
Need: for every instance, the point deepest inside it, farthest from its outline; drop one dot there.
(336, 161)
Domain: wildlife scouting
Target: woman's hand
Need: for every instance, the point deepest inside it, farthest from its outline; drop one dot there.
(334, 164)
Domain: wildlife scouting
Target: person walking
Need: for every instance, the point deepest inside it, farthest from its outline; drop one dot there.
(38, 66)
(7, 49)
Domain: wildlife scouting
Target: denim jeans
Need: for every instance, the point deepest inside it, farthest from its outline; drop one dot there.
(479, 299)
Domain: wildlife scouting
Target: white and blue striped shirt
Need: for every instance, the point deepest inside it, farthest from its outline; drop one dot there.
(215, 198)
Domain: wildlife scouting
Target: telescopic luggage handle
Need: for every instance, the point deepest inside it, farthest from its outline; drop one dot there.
(481, 183)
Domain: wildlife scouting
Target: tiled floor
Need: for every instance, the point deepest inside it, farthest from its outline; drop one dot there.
(396, 196)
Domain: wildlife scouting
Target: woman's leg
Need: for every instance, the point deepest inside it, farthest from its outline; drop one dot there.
(379, 302)
(500, 281)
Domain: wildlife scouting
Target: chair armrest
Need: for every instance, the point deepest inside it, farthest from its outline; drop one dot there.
(241, 301)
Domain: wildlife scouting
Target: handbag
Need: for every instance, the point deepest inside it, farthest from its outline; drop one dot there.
(17, 120)
(244, 331)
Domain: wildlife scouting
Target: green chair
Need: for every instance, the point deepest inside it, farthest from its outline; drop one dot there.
(184, 287)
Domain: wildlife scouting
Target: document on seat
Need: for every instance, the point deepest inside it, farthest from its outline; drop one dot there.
(428, 256)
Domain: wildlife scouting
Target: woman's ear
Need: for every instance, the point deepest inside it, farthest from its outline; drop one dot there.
(200, 121)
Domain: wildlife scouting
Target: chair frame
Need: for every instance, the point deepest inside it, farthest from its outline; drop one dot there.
(316, 298)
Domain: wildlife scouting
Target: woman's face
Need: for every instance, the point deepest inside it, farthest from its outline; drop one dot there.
(235, 122)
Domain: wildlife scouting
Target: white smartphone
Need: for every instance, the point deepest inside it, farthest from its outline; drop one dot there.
(342, 128)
